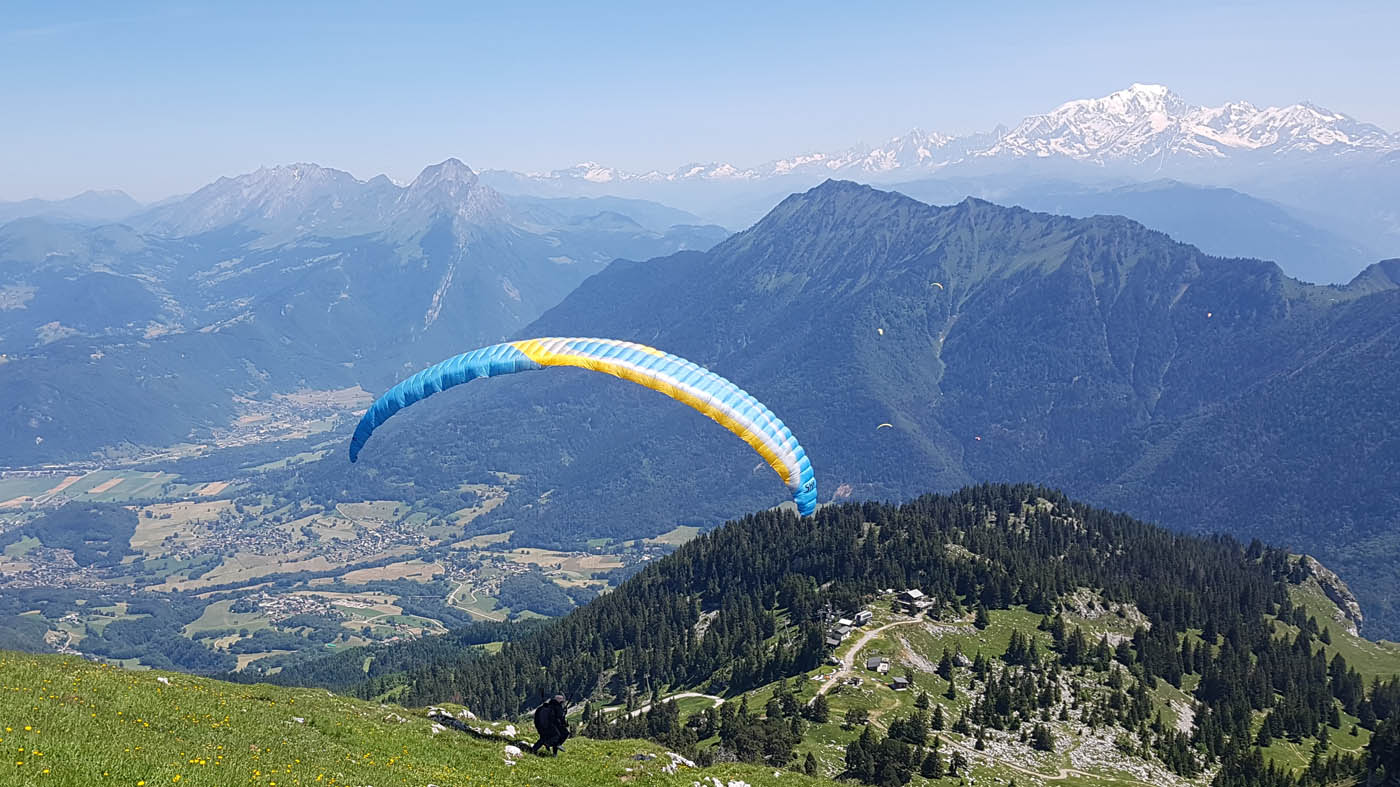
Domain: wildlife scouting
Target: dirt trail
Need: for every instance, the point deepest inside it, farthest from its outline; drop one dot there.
(848, 663)
(718, 701)
(452, 602)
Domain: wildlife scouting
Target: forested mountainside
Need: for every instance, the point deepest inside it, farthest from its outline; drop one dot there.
(1134, 622)
(1094, 354)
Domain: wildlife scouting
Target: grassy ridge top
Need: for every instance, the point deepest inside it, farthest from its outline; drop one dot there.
(66, 721)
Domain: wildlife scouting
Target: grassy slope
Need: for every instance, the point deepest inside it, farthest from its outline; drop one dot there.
(1371, 659)
(66, 721)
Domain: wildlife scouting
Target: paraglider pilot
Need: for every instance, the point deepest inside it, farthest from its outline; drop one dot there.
(552, 725)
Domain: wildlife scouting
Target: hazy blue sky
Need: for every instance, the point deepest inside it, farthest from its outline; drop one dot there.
(160, 98)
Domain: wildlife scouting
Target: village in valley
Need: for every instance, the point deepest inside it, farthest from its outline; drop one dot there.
(261, 576)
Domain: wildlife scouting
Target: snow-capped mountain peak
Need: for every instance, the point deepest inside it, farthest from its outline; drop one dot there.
(1134, 103)
(591, 171)
(1124, 123)
(1150, 123)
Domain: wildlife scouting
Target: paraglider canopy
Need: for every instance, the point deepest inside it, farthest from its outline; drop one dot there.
(686, 382)
(884, 426)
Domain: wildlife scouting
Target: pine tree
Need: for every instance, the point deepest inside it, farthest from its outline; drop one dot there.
(1323, 740)
(856, 716)
(981, 620)
(945, 665)
(1383, 755)
(932, 767)
(958, 764)
(860, 756)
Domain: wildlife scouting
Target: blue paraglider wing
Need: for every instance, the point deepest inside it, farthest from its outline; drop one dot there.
(676, 377)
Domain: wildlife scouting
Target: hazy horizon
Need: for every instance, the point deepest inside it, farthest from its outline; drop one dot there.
(163, 101)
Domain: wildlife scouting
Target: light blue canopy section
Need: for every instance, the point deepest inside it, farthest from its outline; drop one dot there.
(490, 361)
(805, 495)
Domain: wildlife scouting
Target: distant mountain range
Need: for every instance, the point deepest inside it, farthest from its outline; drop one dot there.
(90, 206)
(1204, 393)
(1330, 170)
(1142, 126)
(1220, 221)
(286, 278)
(1316, 190)
(1143, 130)
(308, 199)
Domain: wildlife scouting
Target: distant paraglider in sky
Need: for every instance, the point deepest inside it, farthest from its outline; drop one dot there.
(884, 426)
(880, 331)
(686, 382)
(937, 284)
